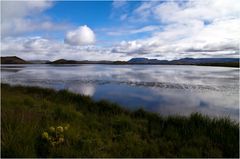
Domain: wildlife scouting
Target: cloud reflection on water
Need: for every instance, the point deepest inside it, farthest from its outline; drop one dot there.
(163, 89)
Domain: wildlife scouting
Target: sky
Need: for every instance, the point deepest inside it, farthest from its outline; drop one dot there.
(120, 30)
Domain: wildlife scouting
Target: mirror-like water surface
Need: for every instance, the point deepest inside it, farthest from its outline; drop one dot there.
(157, 88)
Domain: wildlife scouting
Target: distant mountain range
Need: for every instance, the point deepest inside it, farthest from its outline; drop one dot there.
(231, 62)
(184, 61)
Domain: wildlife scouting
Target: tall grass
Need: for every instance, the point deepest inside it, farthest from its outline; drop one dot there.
(103, 129)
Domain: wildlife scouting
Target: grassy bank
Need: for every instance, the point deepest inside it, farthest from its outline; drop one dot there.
(103, 129)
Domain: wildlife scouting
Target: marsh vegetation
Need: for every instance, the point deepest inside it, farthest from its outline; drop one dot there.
(103, 129)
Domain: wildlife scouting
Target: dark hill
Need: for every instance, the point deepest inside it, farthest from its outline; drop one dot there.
(63, 61)
(13, 60)
(228, 62)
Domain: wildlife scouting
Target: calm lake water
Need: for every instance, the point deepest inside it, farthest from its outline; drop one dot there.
(158, 88)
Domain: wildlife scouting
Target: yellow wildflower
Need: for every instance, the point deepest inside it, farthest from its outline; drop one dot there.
(45, 135)
(52, 129)
(59, 129)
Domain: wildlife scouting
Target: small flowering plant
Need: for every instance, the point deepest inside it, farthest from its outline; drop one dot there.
(55, 135)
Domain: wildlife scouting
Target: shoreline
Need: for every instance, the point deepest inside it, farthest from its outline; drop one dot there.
(206, 65)
(104, 129)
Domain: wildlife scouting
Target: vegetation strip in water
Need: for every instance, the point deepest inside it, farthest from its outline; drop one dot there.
(33, 122)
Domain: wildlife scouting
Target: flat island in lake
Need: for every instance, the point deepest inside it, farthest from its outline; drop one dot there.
(29, 116)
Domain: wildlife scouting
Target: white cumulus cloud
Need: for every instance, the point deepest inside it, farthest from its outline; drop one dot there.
(191, 29)
(181, 29)
(19, 17)
(81, 36)
(32, 48)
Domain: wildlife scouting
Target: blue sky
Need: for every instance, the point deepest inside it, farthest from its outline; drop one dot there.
(98, 15)
(120, 30)
(82, 12)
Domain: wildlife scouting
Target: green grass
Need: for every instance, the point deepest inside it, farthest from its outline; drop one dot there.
(103, 129)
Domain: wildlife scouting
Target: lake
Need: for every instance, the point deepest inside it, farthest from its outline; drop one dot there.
(163, 89)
